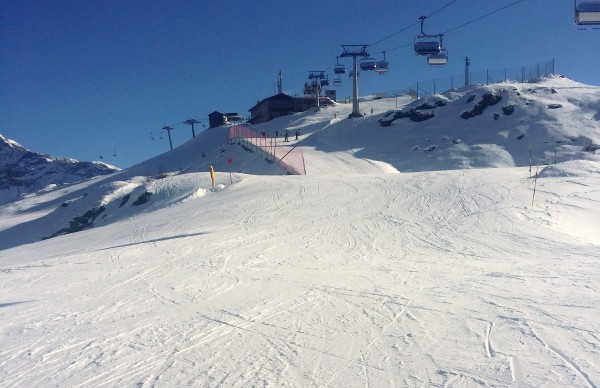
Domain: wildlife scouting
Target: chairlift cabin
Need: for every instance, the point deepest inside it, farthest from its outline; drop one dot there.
(587, 13)
(382, 66)
(438, 59)
(427, 44)
(339, 68)
(368, 64)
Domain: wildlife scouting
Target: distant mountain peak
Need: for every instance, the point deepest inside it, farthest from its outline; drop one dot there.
(23, 171)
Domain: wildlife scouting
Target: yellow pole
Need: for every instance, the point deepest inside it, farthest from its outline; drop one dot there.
(212, 176)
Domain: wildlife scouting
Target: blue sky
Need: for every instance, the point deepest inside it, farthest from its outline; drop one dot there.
(84, 78)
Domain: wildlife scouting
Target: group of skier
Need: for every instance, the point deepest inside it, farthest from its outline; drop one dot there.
(286, 135)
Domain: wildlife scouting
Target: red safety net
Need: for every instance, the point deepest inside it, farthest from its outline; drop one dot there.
(288, 158)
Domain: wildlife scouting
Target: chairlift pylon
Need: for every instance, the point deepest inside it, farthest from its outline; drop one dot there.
(587, 13)
(427, 44)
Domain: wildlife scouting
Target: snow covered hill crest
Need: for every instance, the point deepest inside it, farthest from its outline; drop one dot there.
(24, 171)
(499, 125)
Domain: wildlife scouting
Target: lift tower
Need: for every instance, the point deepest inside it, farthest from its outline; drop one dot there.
(467, 71)
(279, 82)
(353, 50)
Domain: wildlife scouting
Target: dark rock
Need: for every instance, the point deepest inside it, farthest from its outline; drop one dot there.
(124, 200)
(79, 223)
(142, 199)
(488, 99)
(508, 110)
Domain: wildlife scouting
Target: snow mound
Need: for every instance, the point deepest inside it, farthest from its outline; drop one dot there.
(571, 168)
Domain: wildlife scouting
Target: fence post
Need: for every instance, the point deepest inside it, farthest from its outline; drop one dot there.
(534, 184)
(530, 160)
(522, 74)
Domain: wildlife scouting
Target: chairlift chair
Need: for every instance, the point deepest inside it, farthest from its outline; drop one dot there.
(438, 59)
(337, 82)
(427, 44)
(587, 13)
(382, 66)
(339, 68)
(368, 64)
(325, 81)
(307, 89)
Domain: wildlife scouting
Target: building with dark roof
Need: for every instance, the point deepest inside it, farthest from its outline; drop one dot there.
(282, 105)
(216, 118)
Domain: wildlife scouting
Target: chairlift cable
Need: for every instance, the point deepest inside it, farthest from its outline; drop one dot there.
(412, 25)
(481, 17)
(462, 25)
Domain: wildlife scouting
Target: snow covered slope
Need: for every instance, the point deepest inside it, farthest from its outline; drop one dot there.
(424, 279)
(360, 273)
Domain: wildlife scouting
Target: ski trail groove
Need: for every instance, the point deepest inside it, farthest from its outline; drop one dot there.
(566, 359)
(353, 360)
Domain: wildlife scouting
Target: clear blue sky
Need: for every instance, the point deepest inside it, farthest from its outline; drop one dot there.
(82, 77)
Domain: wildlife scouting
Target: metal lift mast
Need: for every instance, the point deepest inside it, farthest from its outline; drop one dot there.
(352, 50)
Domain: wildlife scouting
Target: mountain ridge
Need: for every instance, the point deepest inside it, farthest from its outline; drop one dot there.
(23, 171)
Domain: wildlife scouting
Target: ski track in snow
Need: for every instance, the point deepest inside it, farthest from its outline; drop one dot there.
(430, 279)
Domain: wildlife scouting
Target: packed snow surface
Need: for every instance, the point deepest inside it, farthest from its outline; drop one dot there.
(358, 274)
